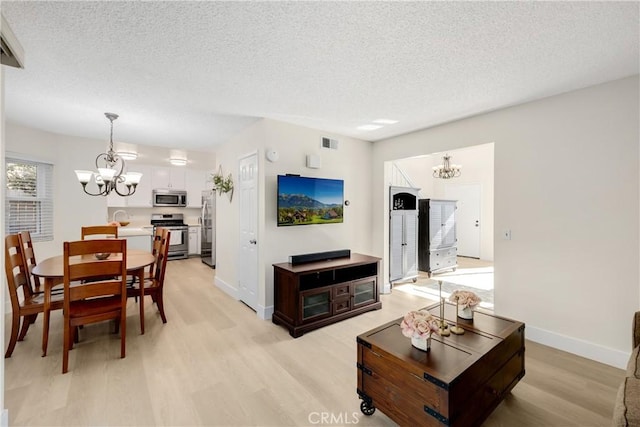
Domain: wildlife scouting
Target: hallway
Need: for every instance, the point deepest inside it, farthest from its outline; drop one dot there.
(472, 274)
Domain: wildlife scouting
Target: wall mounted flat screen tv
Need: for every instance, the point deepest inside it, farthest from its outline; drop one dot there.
(304, 200)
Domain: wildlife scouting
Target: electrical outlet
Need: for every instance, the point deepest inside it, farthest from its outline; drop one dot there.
(506, 235)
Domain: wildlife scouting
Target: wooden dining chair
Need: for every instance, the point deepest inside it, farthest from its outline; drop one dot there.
(94, 301)
(30, 259)
(24, 303)
(99, 232)
(155, 250)
(153, 286)
(103, 231)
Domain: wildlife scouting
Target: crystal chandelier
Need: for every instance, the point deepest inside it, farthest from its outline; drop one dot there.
(446, 170)
(110, 174)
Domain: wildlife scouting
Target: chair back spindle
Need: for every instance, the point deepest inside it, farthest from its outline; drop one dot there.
(102, 231)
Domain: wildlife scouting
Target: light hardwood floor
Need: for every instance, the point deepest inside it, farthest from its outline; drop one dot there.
(216, 363)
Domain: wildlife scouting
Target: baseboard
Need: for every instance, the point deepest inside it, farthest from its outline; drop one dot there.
(608, 356)
(265, 313)
(227, 288)
(386, 289)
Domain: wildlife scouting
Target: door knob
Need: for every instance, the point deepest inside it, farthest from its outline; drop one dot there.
(253, 241)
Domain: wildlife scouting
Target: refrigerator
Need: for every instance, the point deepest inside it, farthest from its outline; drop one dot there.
(208, 223)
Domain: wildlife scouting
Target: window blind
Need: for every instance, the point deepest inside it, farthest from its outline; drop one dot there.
(29, 198)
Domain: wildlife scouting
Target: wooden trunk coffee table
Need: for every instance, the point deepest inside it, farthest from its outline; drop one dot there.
(458, 382)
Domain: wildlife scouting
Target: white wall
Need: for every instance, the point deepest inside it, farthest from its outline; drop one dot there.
(567, 185)
(477, 168)
(276, 244)
(71, 206)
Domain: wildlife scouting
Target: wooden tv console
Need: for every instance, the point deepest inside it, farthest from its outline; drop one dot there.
(315, 294)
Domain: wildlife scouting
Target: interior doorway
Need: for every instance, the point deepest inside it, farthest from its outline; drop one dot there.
(468, 220)
(471, 275)
(248, 207)
(474, 191)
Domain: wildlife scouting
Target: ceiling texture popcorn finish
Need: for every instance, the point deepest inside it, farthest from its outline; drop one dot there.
(192, 74)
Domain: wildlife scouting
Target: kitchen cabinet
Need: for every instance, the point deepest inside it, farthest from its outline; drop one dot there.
(114, 200)
(141, 198)
(194, 240)
(403, 234)
(196, 183)
(168, 177)
(142, 243)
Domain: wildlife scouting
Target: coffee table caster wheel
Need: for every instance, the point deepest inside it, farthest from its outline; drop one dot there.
(367, 408)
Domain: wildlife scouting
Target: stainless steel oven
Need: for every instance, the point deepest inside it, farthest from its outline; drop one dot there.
(179, 239)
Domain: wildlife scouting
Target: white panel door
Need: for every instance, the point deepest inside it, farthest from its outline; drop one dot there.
(396, 245)
(248, 206)
(468, 221)
(411, 244)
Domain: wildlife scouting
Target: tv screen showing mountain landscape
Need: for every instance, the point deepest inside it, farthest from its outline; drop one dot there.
(303, 200)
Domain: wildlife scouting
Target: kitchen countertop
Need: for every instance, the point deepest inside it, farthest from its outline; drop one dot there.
(134, 231)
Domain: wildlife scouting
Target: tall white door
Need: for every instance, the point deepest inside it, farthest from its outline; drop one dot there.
(396, 245)
(468, 221)
(248, 205)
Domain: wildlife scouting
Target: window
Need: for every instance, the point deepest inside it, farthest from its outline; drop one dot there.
(29, 198)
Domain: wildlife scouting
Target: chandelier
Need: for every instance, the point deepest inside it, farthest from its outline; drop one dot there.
(110, 174)
(446, 170)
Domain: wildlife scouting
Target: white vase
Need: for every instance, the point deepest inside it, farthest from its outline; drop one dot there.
(423, 344)
(465, 313)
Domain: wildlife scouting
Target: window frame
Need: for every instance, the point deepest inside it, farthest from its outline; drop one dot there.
(43, 217)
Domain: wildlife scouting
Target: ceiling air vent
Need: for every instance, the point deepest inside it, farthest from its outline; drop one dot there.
(11, 52)
(329, 143)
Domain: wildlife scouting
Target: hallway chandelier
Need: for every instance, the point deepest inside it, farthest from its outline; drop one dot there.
(110, 167)
(446, 170)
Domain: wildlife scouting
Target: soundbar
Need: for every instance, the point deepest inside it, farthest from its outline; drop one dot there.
(319, 256)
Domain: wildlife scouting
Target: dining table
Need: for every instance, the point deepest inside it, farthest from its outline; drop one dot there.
(51, 270)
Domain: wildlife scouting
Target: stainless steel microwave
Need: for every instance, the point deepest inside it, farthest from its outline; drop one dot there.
(169, 197)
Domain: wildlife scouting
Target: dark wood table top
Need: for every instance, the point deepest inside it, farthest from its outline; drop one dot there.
(450, 355)
(53, 267)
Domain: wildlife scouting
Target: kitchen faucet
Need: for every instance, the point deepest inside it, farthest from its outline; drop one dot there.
(117, 212)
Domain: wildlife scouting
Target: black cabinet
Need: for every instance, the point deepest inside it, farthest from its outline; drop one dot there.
(437, 241)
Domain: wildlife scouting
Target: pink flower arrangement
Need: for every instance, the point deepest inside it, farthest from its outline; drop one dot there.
(465, 299)
(419, 324)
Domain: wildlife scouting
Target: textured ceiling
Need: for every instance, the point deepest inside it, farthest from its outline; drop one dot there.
(191, 74)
